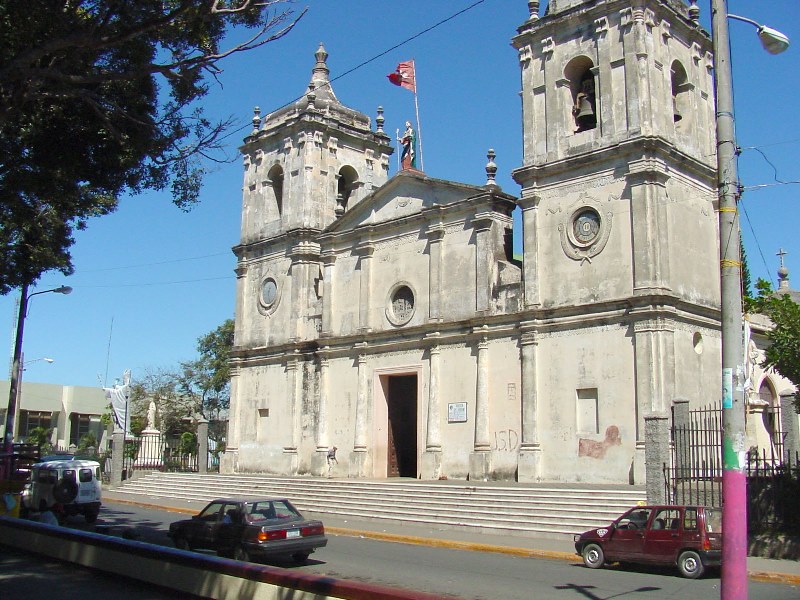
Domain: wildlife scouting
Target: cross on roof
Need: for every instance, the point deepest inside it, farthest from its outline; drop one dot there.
(781, 253)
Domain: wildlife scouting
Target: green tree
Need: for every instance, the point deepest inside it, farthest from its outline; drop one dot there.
(207, 379)
(161, 387)
(100, 97)
(783, 352)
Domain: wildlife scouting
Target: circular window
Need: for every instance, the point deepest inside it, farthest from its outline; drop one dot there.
(586, 226)
(269, 292)
(402, 305)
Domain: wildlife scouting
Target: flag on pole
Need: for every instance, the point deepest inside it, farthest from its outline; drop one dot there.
(404, 76)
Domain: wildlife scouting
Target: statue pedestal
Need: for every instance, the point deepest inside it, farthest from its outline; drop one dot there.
(150, 450)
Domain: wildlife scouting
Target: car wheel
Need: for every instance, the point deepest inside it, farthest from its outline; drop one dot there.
(690, 565)
(181, 543)
(300, 557)
(90, 517)
(241, 554)
(593, 556)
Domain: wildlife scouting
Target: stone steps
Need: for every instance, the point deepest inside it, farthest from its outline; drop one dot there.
(540, 510)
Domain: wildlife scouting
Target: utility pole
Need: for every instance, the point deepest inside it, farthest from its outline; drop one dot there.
(734, 479)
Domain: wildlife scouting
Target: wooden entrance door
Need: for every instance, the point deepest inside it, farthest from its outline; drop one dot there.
(402, 409)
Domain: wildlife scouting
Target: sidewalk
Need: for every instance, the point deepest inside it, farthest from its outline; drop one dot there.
(759, 569)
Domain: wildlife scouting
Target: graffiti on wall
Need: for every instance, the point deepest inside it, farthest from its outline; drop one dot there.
(598, 449)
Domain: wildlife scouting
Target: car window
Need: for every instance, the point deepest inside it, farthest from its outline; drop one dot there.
(635, 519)
(85, 475)
(690, 519)
(284, 510)
(667, 518)
(211, 512)
(46, 476)
(713, 520)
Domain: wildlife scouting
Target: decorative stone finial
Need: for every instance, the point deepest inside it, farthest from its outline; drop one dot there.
(311, 95)
(491, 169)
(256, 119)
(533, 8)
(694, 13)
(379, 120)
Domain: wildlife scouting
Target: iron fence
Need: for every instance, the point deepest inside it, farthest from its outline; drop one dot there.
(695, 473)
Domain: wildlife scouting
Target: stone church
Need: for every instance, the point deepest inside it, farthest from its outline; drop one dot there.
(388, 317)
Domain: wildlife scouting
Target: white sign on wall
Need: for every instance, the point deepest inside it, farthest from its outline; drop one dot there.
(457, 412)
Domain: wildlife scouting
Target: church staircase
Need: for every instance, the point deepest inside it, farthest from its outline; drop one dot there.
(536, 510)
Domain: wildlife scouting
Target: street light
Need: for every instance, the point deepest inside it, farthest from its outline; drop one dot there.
(16, 370)
(734, 478)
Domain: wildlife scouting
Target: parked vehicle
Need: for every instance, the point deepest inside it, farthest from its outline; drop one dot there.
(72, 486)
(248, 529)
(689, 537)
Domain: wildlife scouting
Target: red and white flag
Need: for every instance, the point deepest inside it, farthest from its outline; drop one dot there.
(404, 76)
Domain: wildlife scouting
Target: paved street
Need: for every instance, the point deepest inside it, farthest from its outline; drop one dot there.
(472, 574)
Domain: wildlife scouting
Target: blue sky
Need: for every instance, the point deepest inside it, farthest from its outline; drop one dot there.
(149, 279)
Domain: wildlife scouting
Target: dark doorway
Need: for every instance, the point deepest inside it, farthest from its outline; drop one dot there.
(402, 404)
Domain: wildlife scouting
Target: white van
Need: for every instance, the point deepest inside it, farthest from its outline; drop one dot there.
(72, 483)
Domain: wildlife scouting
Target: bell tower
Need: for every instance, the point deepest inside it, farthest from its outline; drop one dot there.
(305, 165)
(619, 194)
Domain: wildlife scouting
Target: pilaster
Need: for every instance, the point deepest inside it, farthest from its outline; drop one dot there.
(365, 252)
(480, 459)
(436, 254)
(432, 457)
(530, 451)
(358, 467)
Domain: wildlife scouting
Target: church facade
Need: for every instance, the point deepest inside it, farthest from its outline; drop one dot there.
(388, 316)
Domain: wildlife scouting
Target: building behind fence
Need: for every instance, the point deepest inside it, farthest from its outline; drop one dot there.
(694, 475)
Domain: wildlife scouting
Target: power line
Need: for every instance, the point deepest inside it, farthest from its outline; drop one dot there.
(369, 60)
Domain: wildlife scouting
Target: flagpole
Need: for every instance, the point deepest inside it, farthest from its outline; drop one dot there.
(419, 126)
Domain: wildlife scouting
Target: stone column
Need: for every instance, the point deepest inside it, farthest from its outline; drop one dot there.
(530, 266)
(228, 460)
(789, 426)
(432, 457)
(293, 378)
(328, 261)
(480, 460)
(656, 456)
(654, 356)
(320, 461)
(650, 234)
(202, 445)
(117, 457)
(435, 237)
(530, 451)
(358, 467)
(482, 224)
(365, 251)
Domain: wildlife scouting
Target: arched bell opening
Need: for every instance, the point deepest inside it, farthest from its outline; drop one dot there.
(275, 177)
(580, 74)
(681, 98)
(347, 181)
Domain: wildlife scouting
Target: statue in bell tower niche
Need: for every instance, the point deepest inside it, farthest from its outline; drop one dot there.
(584, 108)
(408, 157)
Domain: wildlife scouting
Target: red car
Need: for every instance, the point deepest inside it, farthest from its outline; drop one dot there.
(689, 537)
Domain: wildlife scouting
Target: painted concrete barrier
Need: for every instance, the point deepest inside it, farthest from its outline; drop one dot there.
(199, 574)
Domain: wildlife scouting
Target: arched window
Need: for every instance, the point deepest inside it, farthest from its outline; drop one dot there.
(771, 417)
(579, 73)
(346, 183)
(275, 177)
(681, 108)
